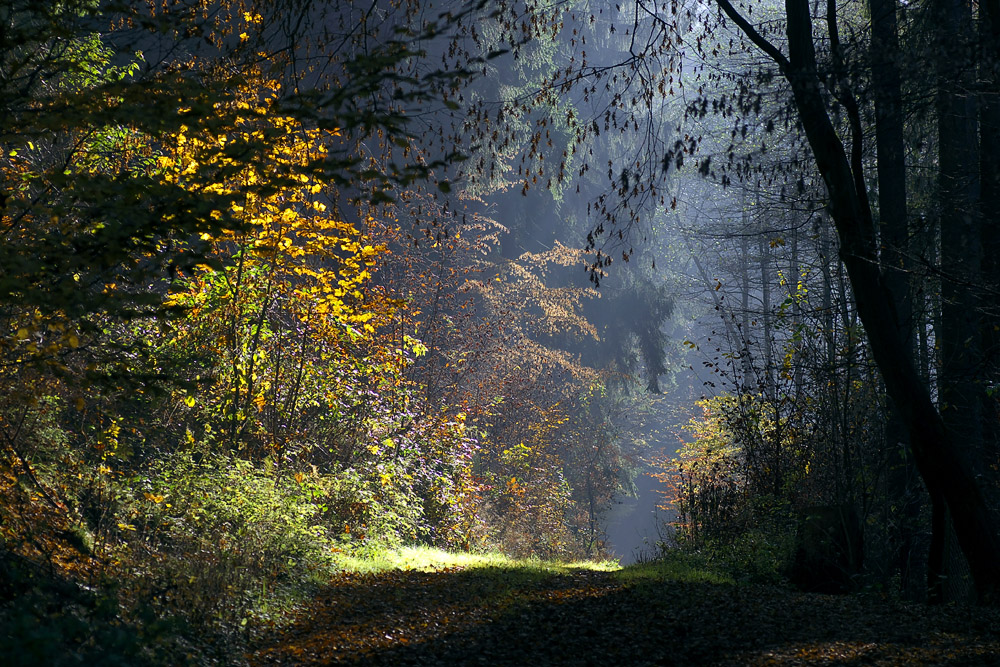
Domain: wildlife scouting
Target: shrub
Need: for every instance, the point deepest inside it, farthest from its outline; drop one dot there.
(374, 510)
(217, 539)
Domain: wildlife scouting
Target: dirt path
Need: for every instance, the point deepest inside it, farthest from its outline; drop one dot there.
(514, 617)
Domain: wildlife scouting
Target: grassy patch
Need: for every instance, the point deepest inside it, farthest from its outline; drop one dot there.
(673, 567)
(431, 559)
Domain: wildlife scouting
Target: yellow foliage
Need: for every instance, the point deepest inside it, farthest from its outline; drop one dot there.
(319, 262)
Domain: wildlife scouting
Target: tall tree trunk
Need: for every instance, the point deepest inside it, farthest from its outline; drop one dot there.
(961, 250)
(798, 381)
(895, 237)
(960, 338)
(943, 469)
(745, 341)
(829, 366)
(989, 174)
(764, 260)
(891, 166)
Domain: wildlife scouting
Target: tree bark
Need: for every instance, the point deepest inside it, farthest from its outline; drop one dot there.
(943, 470)
(989, 175)
(960, 334)
(895, 253)
(961, 249)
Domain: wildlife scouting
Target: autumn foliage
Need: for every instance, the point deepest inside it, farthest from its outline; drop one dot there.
(231, 359)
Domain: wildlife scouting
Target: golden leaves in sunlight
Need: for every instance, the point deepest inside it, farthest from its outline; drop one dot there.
(318, 261)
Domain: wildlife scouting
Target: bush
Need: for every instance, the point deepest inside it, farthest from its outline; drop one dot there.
(757, 556)
(375, 511)
(215, 540)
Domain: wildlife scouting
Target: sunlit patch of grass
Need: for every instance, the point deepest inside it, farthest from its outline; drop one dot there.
(430, 559)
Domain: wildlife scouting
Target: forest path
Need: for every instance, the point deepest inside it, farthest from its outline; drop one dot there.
(520, 616)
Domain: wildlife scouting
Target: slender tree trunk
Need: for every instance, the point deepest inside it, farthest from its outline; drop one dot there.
(961, 396)
(989, 174)
(894, 234)
(793, 288)
(764, 259)
(748, 369)
(832, 398)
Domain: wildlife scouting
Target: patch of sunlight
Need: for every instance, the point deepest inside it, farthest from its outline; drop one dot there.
(430, 559)
(673, 568)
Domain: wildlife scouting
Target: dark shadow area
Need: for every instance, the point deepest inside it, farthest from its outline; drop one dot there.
(522, 616)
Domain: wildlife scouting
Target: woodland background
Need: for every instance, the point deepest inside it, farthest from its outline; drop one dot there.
(284, 285)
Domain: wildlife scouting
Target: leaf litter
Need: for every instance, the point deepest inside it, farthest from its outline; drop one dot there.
(520, 616)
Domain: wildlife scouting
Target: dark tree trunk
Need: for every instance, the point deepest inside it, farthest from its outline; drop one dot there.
(935, 556)
(763, 249)
(891, 167)
(960, 334)
(894, 234)
(961, 251)
(942, 468)
(745, 341)
(989, 174)
(989, 113)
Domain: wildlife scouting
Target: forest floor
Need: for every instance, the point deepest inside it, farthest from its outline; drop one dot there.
(649, 614)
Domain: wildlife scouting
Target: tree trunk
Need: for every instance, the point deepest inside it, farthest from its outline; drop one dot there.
(764, 259)
(748, 366)
(989, 175)
(895, 237)
(961, 250)
(961, 388)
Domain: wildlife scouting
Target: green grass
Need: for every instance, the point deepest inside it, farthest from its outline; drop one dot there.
(430, 559)
(435, 598)
(673, 566)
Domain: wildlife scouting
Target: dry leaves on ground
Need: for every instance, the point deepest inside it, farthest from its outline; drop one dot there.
(516, 616)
